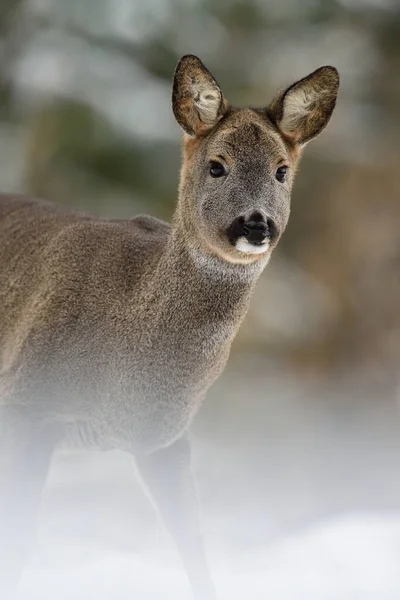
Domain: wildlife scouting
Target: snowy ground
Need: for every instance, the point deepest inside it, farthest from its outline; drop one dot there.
(301, 501)
(354, 558)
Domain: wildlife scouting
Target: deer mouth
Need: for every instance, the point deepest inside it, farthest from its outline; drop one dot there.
(253, 235)
(244, 245)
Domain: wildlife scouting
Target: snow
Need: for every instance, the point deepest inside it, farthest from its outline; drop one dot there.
(300, 496)
(355, 557)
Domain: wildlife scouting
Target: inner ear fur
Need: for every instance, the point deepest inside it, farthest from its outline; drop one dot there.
(305, 108)
(197, 100)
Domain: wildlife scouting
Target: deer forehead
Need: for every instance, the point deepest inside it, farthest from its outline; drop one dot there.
(244, 134)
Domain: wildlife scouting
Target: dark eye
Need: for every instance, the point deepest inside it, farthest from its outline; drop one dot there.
(281, 174)
(216, 169)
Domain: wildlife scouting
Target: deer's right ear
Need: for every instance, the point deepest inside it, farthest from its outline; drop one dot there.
(197, 100)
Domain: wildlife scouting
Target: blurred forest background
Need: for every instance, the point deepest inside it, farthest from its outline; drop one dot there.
(86, 120)
(311, 396)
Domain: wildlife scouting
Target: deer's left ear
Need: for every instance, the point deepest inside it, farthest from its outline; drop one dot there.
(197, 100)
(304, 109)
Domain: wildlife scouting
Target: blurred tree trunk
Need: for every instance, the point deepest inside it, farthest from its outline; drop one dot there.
(13, 35)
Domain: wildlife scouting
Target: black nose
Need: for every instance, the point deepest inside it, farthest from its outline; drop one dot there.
(256, 229)
(255, 232)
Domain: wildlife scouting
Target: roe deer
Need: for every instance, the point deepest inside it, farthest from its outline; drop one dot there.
(117, 328)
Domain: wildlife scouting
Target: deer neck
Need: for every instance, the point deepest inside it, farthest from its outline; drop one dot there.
(204, 285)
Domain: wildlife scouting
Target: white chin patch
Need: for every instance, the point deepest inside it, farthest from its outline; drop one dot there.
(244, 246)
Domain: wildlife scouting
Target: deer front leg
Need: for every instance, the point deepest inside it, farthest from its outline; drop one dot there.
(26, 447)
(168, 477)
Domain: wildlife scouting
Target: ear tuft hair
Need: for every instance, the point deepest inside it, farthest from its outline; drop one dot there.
(197, 101)
(304, 109)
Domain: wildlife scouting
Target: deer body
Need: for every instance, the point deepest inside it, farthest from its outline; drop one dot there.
(157, 328)
(117, 328)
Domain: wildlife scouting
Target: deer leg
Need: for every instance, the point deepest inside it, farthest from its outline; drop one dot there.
(26, 447)
(168, 477)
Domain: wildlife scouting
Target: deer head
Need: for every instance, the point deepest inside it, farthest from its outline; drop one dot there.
(239, 163)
